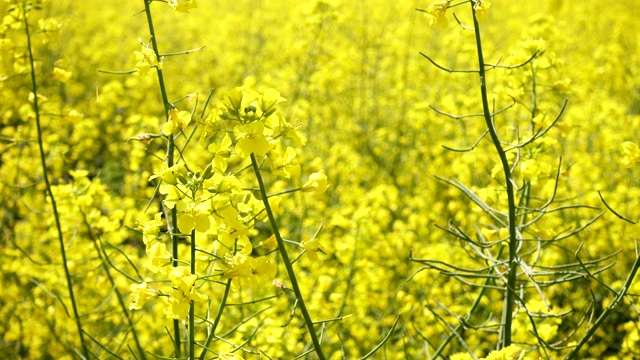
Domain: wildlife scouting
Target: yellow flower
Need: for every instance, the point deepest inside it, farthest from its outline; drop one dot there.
(177, 120)
(140, 294)
(183, 5)
(317, 183)
(631, 154)
(480, 7)
(194, 217)
(511, 352)
(150, 229)
(221, 153)
(251, 139)
(61, 75)
(243, 266)
(145, 59)
(268, 101)
(282, 164)
(312, 248)
(436, 13)
(159, 257)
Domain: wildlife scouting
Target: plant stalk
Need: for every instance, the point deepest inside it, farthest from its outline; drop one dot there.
(507, 315)
(45, 175)
(287, 261)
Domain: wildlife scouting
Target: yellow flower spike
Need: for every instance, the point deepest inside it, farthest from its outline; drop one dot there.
(317, 183)
(140, 294)
(631, 154)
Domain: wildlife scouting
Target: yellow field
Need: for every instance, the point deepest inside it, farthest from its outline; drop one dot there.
(258, 169)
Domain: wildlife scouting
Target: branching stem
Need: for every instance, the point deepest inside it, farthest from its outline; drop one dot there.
(507, 316)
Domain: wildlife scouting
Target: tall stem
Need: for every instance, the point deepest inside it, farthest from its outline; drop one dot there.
(507, 315)
(170, 158)
(192, 311)
(45, 175)
(287, 262)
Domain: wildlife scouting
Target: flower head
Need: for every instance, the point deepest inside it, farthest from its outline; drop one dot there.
(631, 154)
(140, 294)
(480, 7)
(317, 183)
(183, 5)
(436, 13)
(145, 59)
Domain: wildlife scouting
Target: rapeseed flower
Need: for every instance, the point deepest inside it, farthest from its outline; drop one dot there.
(251, 139)
(436, 13)
(182, 5)
(631, 154)
(140, 294)
(316, 183)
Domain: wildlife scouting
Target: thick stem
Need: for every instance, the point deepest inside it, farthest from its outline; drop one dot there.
(170, 158)
(287, 261)
(45, 175)
(507, 316)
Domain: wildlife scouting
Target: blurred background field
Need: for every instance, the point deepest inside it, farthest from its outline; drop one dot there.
(353, 75)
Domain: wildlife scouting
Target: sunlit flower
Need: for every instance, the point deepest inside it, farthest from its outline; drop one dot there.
(631, 154)
(178, 120)
(145, 59)
(140, 294)
(317, 183)
(436, 13)
(282, 164)
(251, 139)
(183, 5)
(480, 7)
(312, 248)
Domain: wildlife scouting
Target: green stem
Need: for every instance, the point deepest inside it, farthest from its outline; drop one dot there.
(192, 307)
(170, 157)
(36, 109)
(507, 315)
(217, 320)
(605, 314)
(287, 261)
